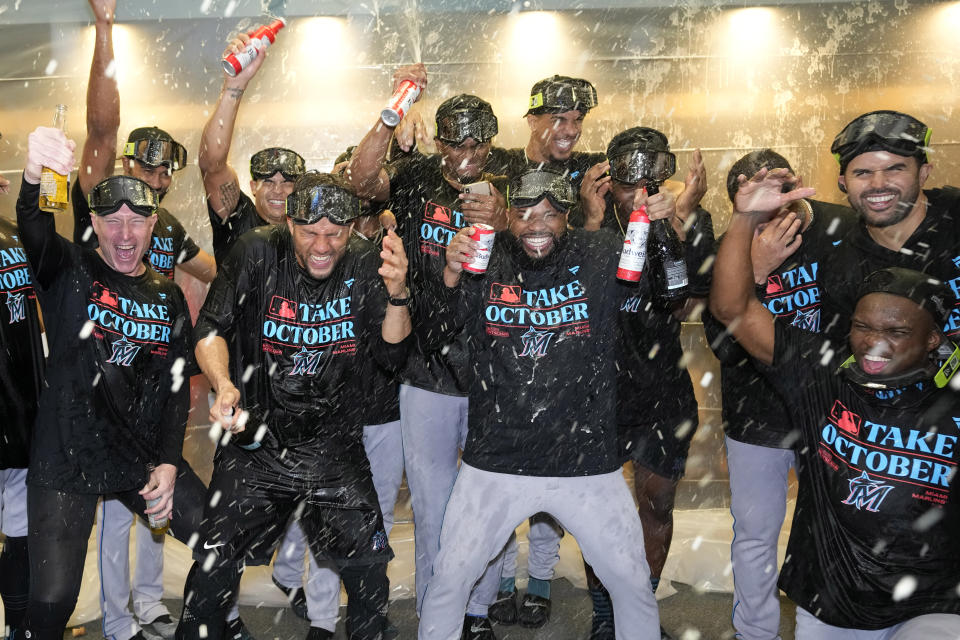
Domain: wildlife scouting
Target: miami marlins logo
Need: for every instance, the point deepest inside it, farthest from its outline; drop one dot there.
(305, 362)
(15, 306)
(867, 493)
(535, 342)
(124, 352)
(807, 320)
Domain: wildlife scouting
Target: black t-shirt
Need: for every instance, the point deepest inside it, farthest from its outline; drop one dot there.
(116, 396)
(542, 338)
(512, 162)
(170, 245)
(878, 503)
(21, 364)
(225, 232)
(428, 215)
(753, 412)
(298, 348)
(933, 248)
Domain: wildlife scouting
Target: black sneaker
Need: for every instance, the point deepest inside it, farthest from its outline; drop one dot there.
(664, 635)
(477, 628)
(319, 633)
(534, 611)
(602, 629)
(236, 630)
(504, 608)
(296, 598)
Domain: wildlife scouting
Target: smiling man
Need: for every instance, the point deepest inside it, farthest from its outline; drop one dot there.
(872, 550)
(286, 332)
(884, 165)
(546, 305)
(113, 411)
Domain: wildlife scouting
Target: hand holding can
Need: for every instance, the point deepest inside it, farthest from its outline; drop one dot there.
(260, 38)
(483, 235)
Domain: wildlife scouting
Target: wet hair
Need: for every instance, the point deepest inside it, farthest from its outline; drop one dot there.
(749, 164)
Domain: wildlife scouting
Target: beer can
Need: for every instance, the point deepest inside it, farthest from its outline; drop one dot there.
(407, 93)
(260, 39)
(634, 253)
(484, 235)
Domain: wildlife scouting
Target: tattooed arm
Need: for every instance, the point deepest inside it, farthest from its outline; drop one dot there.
(219, 178)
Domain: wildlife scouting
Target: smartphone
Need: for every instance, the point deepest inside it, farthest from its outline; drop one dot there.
(477, 187)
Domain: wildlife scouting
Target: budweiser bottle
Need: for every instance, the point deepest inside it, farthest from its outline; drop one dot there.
(634, 252)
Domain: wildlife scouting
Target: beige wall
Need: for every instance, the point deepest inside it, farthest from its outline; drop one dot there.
(726, 80)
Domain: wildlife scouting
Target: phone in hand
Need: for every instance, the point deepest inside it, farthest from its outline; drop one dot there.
(478, 187)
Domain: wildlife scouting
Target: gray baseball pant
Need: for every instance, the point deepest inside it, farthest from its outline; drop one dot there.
(942, 626)
(597, 510)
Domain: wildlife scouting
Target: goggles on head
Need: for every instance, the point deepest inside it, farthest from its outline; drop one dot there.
(632, 165)
(457, 126)
(267, 162)
(568, 94)
(319, 201)
(153, 153)
(109, 195)
(893, 131)
(532, 187)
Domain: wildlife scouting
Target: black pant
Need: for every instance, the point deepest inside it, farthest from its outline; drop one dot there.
(59, 527)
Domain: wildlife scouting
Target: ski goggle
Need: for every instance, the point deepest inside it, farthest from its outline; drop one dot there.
(267, 162)
(630, 166)
(154, 153)
(530, 188)
(114, 192)
(567, 95)
(895, 132)
(312, 204)
(457, 126)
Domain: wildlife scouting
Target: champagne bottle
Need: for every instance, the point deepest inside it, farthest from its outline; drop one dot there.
(667, 264)
(55, 188)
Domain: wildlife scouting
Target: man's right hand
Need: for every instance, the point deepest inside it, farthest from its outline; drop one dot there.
(461, 249)
(596, 184)
(103, 10)
(415, 72)
(763, 193)
(226, 408)
(235, 46)
(774, 243)
(48, 147)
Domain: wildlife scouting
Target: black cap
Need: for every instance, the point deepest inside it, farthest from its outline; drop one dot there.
(749, 164)
(466, 116)
(929, 293)
(558, 94)
(530, 187)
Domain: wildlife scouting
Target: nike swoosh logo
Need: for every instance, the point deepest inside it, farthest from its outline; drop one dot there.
(208, 546)
(837, 242)
(476, 629)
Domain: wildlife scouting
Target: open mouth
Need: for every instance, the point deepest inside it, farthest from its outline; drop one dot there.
(126, 252)
(880, 201)
(873, 364)
(320, 262)
(537, 244)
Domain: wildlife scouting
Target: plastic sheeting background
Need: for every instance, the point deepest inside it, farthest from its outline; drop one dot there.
(725, 79)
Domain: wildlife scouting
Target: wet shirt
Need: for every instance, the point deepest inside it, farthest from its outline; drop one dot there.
(21, 362)
(513, 162)
(225, 232)
(542, 344)
(653, 386)
(298, 349)
(428, 215)
(116, 398)
(170, 245)
(753, 412)
(933, 248)
(876, 502)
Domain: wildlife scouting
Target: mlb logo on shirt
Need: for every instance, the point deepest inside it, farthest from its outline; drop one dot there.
(437, 213)
(845, 419)
(283, 308)
(104, 296)
(508, 293)
(774, 284)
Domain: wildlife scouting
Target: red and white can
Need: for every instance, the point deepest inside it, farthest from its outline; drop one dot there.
(634, 253)
(406, 94)
(260, 39)
(483, 234)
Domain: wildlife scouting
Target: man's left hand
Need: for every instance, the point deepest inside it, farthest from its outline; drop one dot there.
(479, 208)
(394, 267)
(160, 485)
(695, 187)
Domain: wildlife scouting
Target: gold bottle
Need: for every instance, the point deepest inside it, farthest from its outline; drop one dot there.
(55, 188)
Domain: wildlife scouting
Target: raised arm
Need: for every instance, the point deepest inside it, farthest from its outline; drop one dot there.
(732, 298)
(366, 172)
(103, 102)
(396, 321)
(219, 178)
